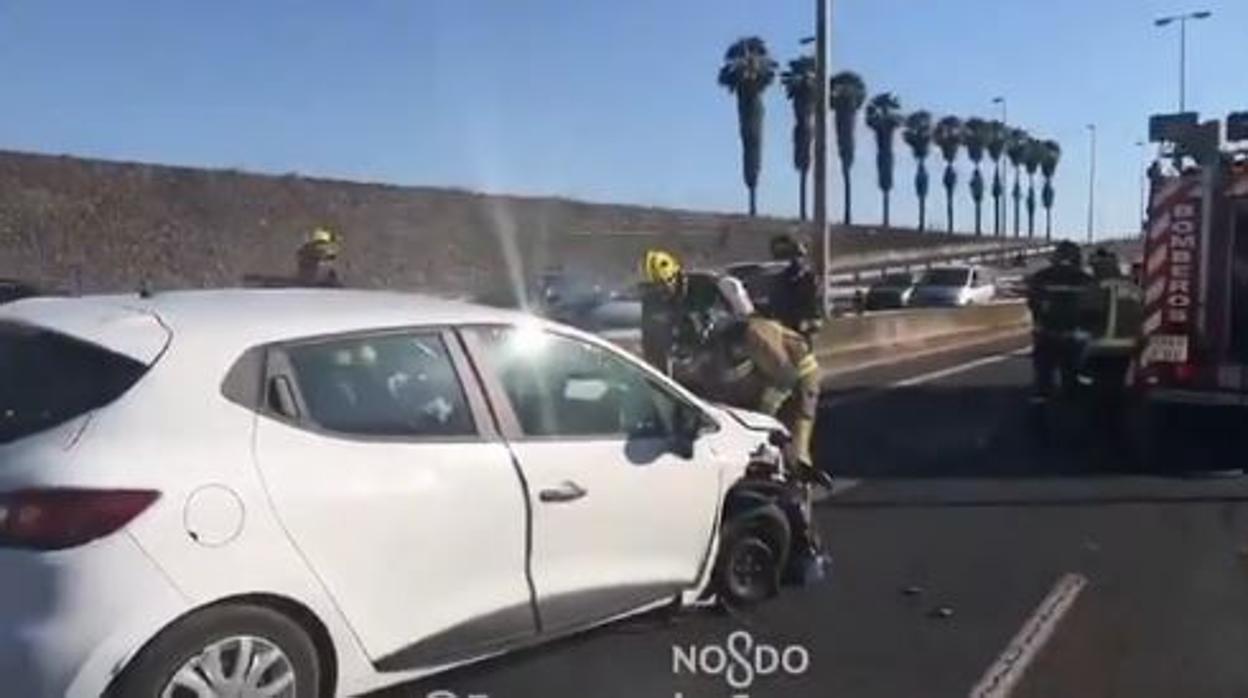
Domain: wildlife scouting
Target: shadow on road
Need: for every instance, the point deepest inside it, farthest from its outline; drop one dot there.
(934, 431)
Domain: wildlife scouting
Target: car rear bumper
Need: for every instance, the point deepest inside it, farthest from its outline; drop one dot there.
(69, 620)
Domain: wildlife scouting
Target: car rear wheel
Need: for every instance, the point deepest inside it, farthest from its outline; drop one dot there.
(239, 651)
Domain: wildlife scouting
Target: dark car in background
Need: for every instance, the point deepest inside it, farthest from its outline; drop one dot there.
(892, 291)
(13, 290)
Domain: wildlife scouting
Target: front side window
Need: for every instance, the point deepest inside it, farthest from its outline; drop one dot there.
(560, 386)
(388, 385)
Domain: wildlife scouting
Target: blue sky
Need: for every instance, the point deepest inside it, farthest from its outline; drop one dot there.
(612, 101)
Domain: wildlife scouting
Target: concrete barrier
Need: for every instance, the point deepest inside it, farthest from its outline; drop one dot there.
(902, 328)
(845, 339)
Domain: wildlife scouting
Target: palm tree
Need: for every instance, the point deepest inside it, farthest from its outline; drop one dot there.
(948, 136)
(747, 72)
(997, 133)
(1050, 154)
(1031, 162)
(884, 118)
(918, 135)
(846, 93)
(800, 86)
(975, 136)
(1016, 150)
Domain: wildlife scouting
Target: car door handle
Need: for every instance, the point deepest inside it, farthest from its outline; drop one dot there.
(567, 492)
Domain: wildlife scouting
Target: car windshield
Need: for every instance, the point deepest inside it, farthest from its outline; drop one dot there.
(945, 277)
(49, 378)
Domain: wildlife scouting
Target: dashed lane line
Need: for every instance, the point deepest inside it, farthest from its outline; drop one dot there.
(1005, 673)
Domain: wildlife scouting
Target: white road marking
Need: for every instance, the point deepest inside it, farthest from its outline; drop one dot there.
(926, 377)
(1005, 673)
(953, 370)
(840, 485)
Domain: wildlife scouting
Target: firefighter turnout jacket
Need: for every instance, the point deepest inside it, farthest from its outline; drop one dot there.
(789, 374)
(795, 298)
(1055, 296)
(1111, 313)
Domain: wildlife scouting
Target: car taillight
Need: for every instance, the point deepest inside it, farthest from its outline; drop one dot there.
(1184, 373)
(56, 519)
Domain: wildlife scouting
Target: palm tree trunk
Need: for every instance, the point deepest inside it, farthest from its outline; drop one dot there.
(849, 211)
(801, 197)
(922, 213)
(886, 217)
(996, 199)
(753, 209)
(1018, 195)
(1048, 224)
(949, 209)
(1031, 206)
(979, 229)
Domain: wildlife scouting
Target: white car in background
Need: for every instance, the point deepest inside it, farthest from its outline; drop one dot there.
(306, 493)
(954, 286)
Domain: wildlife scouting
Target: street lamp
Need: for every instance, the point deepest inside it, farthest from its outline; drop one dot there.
(1091, 179)
(1182, 19)
(1143, 180)
(822, 12)
(1005, 113)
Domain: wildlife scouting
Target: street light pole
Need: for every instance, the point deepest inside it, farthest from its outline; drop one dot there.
(821, 149)
(1183, 64)
(1091, 181)
(1182, 20)
(1143, 181)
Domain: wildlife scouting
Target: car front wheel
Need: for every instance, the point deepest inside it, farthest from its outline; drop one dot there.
(753, 554)
(242, 651)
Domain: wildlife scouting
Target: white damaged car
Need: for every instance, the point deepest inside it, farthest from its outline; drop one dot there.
(313, 493)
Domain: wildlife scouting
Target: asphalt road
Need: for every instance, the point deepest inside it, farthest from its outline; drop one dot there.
(970, 554)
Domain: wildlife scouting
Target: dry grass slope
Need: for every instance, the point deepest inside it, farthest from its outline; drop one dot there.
(90, 225)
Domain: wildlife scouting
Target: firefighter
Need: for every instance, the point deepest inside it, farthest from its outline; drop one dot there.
(662, 285)
(1054, 295)
(1110, 315)
(795, 296)
(789, 374)
(731, 353)
(316, 259)
(678, 310)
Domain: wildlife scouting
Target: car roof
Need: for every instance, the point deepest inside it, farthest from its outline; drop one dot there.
(242, 318)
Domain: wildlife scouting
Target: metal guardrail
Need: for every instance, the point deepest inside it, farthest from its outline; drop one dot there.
(876, 270)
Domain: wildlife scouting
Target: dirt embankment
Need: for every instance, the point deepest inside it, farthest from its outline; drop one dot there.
(89, 225)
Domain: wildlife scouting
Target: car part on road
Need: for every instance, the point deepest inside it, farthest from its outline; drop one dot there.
(231, 650)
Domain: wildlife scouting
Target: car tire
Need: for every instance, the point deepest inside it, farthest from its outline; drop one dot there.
(225, 629)
(753, 554)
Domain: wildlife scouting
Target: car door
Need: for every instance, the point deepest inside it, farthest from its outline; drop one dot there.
(385, 469)
(620, 518)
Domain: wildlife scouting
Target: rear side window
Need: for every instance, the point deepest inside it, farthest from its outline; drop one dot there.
(48, 378)
(386, 385)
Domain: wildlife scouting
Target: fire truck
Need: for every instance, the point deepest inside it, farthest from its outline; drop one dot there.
(1192, 369)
